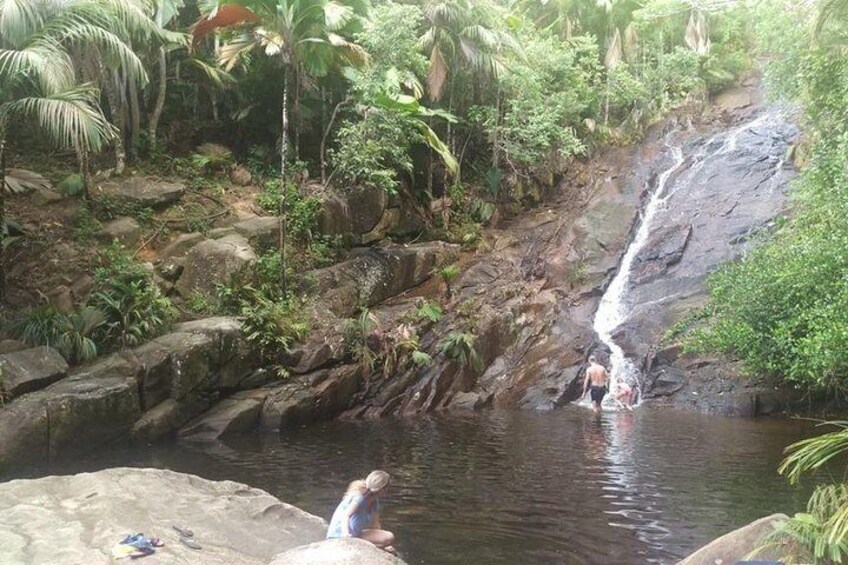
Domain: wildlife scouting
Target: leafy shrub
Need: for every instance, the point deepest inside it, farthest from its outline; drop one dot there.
(447, 274)
(134, 307)
(75, 336)
(459, 347)
(272, 326)
(427, 310)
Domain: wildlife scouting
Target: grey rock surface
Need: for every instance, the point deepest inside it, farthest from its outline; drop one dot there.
(347, 551)
(74, 520)
(736, 545)
(140, 191)
(213, 262)
(30, 369)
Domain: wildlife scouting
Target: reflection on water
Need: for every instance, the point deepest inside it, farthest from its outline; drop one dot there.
(516, 487)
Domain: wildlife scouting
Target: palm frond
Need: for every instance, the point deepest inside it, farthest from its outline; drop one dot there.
(71, 118)
(813, 453)
(337, 15)
(111, 47)
(44, 61)
(219, 77)
(18, 20)
(231, 52)
(23, 180)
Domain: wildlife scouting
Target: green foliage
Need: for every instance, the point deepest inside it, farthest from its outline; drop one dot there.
(134, 307)
(212, 161)
(447, 273)
(784, 309)
(302, 211)
(356, 332)
(272, 325)
(71, 185)
(430, 311)
(460, 348)
(199, 304)
(86, 224)
(819, 535)
(372, 347)
(75, 336)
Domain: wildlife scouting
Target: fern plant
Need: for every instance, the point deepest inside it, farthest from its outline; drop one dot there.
(448, 274)
(459, 347)
(75, 336)
(429, 311)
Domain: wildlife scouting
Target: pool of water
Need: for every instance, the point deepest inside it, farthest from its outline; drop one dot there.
(518, 487)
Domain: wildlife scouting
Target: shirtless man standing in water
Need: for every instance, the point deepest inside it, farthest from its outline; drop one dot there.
(597, 375)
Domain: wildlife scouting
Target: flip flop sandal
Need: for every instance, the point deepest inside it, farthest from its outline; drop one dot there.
(184, 532)
(190, 543)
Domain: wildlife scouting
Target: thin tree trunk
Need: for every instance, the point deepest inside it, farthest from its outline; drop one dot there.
(135, 118)
(298, 123)
(282, 205)
(117, 118)
(2, 216)
(156, 114)
(325, 136)
(495, 130)
(85, 173)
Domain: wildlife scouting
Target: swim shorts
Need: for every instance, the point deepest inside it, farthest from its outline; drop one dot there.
(598, 393)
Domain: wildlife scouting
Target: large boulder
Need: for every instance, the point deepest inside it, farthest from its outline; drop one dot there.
(262, 232)
(30, 370)
(93, 406)
(318, 396)
(375, 274)
(237, 413)
(347, 551)
(736, 545)
(140, 191)
(69, 520)
(213, 262)
(354, 211)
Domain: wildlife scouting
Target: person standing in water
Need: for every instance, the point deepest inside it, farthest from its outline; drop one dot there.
(358, 514)
(597, 376)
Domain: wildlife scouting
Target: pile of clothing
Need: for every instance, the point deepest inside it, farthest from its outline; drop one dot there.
(135, 546)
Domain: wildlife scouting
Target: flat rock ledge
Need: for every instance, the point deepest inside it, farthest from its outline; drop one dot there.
(69, 520)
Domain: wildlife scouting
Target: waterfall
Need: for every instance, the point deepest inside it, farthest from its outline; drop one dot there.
(614, 308)
(612, 311)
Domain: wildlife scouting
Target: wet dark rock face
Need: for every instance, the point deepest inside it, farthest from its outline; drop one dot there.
(532, 297)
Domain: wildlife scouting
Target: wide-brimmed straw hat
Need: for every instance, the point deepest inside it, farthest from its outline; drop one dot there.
(377, 481)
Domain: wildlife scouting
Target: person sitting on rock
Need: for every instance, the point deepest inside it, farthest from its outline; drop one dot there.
(358, 514)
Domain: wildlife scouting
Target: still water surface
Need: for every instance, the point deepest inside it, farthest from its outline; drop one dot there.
(519, 487)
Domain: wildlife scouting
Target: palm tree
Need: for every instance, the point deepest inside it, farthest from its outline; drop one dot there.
(301, 35)
(43, 47)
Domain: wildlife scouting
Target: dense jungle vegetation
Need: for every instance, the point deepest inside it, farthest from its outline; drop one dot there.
(454, 104)
(784, 309)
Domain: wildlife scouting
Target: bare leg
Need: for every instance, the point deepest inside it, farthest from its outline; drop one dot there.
(383, 539)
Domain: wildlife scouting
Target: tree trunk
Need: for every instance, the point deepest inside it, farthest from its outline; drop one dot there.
(135, 118)
(324, 139)
(2, 216)
(85, 173)
(109, 86)
(153, 124)
(495, 159)
(282, 205)
(298, 123)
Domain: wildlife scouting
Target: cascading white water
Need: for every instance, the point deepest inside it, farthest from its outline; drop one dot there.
(613, 309)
